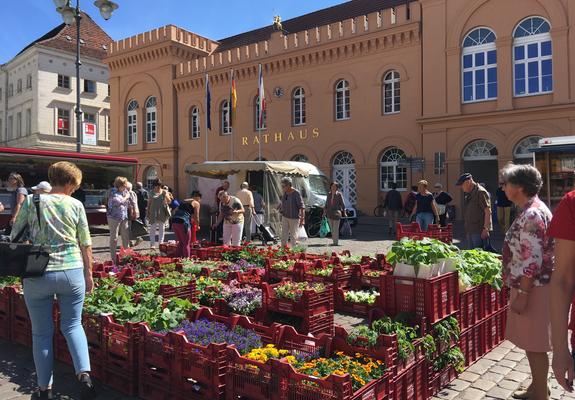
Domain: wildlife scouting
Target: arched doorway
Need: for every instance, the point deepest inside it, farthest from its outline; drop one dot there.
(344, 173)
(480, 160)
(522, 153)
(150, 175)
(300, 158)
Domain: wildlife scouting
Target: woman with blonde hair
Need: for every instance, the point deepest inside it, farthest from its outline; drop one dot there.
(63, 229)
(158, 212)
(425, 207)
(118, 218)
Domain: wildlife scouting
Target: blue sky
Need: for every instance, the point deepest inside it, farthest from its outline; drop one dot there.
(27, 20)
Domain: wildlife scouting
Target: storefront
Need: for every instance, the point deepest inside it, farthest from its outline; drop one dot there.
(555, 159)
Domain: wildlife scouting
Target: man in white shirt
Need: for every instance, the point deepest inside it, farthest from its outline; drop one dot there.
(247, 199)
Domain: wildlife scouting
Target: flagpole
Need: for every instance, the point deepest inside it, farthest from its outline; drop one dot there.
(207, 114)
(260, 116)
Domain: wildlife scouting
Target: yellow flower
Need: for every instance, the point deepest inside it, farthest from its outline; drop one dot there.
(291, 360)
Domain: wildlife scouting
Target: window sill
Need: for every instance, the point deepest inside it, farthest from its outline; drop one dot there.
(518, 96)
(479, 101)
(63, 90)
(342, 119)
(298, 125)
(391, 113)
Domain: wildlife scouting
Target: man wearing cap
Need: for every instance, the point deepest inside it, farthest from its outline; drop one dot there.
(42, 188)
(247, 199)
(476, 211)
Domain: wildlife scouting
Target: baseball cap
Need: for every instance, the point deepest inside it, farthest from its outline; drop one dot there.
(463, 177)
(45, 186)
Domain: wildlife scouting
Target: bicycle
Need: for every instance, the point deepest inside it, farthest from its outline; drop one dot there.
(313, 224)
(379, 211)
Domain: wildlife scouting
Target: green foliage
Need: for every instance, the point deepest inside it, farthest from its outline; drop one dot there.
(420, 252)
(361, 296)
(447, 331)
(9, 281)
(153, 285)
(451, 358)
(478, 266)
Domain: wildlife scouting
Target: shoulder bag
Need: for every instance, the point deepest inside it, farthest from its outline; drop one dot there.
(23, 259)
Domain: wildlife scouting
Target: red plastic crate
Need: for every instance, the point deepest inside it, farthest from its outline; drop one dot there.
(20, 325)
(411, 384)
(471, 344)
(361, 278)
(413, 231)
(188, 291)
(295, 273)
(471, 307)
(494, 300)
(348, 307)
(339, 277)
(310, 303)
(438, 381)
(433, 299)
(494, 330)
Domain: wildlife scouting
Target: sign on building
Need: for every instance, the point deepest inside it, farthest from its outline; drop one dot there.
(90, 134)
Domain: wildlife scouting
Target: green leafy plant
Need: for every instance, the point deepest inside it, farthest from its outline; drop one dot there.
(478, 266)
(451, 358)
(429, 347)
(447, 331)
(294, 290)
(283, 265)
(420, 252)
(9, 281)
(349, 260)
(153, 285)
(365, 334)
(361, 296)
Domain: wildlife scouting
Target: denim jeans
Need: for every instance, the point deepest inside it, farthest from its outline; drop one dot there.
(474, 241)
(69, 287)
(424, 219)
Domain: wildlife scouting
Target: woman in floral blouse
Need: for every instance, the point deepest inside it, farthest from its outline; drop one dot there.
(528, 265)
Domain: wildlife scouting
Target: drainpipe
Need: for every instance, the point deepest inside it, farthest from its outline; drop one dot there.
(176, 135)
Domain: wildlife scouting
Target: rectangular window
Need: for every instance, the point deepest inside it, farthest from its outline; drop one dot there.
(1, 131)
(19, 86)
(132, 128)
(29, 81)
(439, 166)
(63, 81)
(89, 86)
(108, 90)
(0, 93)
(10, 132)
(479, 75)
(63, 122)
(91, 118)
(10, 90)
(108, 125)
(28, 122)
(533, 70)
(151, 133)
(19, 124)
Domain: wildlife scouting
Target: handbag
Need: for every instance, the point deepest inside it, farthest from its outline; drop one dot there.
(346, 229)
(324, 228)
(138, 229)
(23, 259)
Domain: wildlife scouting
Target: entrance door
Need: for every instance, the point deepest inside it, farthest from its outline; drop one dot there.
(344, 173)
(480, 160)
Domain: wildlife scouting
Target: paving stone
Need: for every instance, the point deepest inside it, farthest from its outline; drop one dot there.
(469, 376)
(483, 384)
(508, 384)
(523, 368)
(500, 370)
(459, 385)
(499, 393)
(472, 394)
(494, 356)
(492, 376)
(517, 376)
(507, 363)
(447, 394)
(515, 356)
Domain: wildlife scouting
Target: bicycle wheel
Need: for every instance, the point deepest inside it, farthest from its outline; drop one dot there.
(379, 211)
(313, 229)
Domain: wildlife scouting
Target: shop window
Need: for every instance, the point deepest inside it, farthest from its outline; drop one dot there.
(479, 66)
(194, 123)
(532, 57)
(298, 107)
(391, 170)
(63, 122)
(132, 122)
(342, 100)
(151, 132)
(391, 93)
(225, 127)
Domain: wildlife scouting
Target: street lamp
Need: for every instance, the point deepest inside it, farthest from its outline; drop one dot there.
(69, 14)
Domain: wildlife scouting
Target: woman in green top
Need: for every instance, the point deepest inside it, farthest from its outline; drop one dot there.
(63, 229)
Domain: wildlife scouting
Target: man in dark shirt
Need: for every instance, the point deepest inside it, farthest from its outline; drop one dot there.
(476, 211)
(503, 209)
(393, 205)
(442, 199)
(292, 209)
(142, 195)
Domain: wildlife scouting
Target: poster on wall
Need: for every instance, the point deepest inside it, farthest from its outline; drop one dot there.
(90, 136)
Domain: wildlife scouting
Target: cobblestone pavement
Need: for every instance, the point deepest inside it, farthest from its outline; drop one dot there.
(495, 376)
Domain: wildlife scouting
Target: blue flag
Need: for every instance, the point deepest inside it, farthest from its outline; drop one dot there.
(208, 103)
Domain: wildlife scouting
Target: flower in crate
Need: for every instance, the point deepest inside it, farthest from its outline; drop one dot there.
(294, 290)
(242, 300)
(204, 332)
(263, 354)
(361, 296)
(283, 265)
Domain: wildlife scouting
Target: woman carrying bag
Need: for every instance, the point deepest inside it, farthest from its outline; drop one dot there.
(63, 230)
(334, 210)
(158, 212)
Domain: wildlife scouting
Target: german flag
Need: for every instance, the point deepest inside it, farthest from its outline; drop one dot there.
(233, 98)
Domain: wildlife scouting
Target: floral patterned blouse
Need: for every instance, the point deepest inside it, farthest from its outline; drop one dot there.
(528, 250)
(63, 229)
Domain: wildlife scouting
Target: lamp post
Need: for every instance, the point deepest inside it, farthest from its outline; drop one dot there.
(69, 14)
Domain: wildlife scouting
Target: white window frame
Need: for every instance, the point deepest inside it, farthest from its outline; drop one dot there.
(392, 81)
(150, 178)
(28, 121)
(19, 124)
(397, 170)
(257, 116)
(29, 81)
(19, 86)
(225, 128)
(484, 48)
(151, 120)
(298, 107)
(63, 81)
(10, 128)
(132, 123)
(194, 123)
(524, 42)
(342, 100)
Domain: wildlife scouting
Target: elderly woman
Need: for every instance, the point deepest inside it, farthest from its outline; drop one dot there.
(118, 218)
(334, 210)
(425, 208)
(158, 212)
(63, 227)
(232, 214)
(18, 195)
(528, 265)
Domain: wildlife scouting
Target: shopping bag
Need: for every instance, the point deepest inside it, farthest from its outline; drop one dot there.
(301, 234)
(346, 229)
(324, 228)
(138, 229)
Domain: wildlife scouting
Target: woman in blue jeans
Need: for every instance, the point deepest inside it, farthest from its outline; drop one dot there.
(63, 229)
(425, 208)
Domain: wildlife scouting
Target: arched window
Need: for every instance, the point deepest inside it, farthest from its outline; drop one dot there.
(342, 101)
(151, 133)
(132, 122)
(225, 128)
(391, 170)
(194, 123)
(522, 152)
(260, 120)
(345, 174)
(532, 57)
(480, 150)
(150, 177)
(298, 106)
(300, 158)
(479, 66)
(391, 93)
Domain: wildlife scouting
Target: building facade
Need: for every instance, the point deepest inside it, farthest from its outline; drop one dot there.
(38, 91)
(370, 91)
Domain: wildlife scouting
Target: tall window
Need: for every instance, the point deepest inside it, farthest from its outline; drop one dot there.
(29, 81)
(19, 86)
(132, 122)
(63, 122)
(391, 93)
(298, 107)
(342, 103)
(10, 132)
(89, 86)
(390, 169)
(260, 123)
(0, 93)
(89, 117)
(28, 121)
(194, 123)
(108, 127)
(151, 132)
(479, 66)
(532, 57)
(151, 177)
(63, 81)
(19, 124)
(10, 90)
(225, 128)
